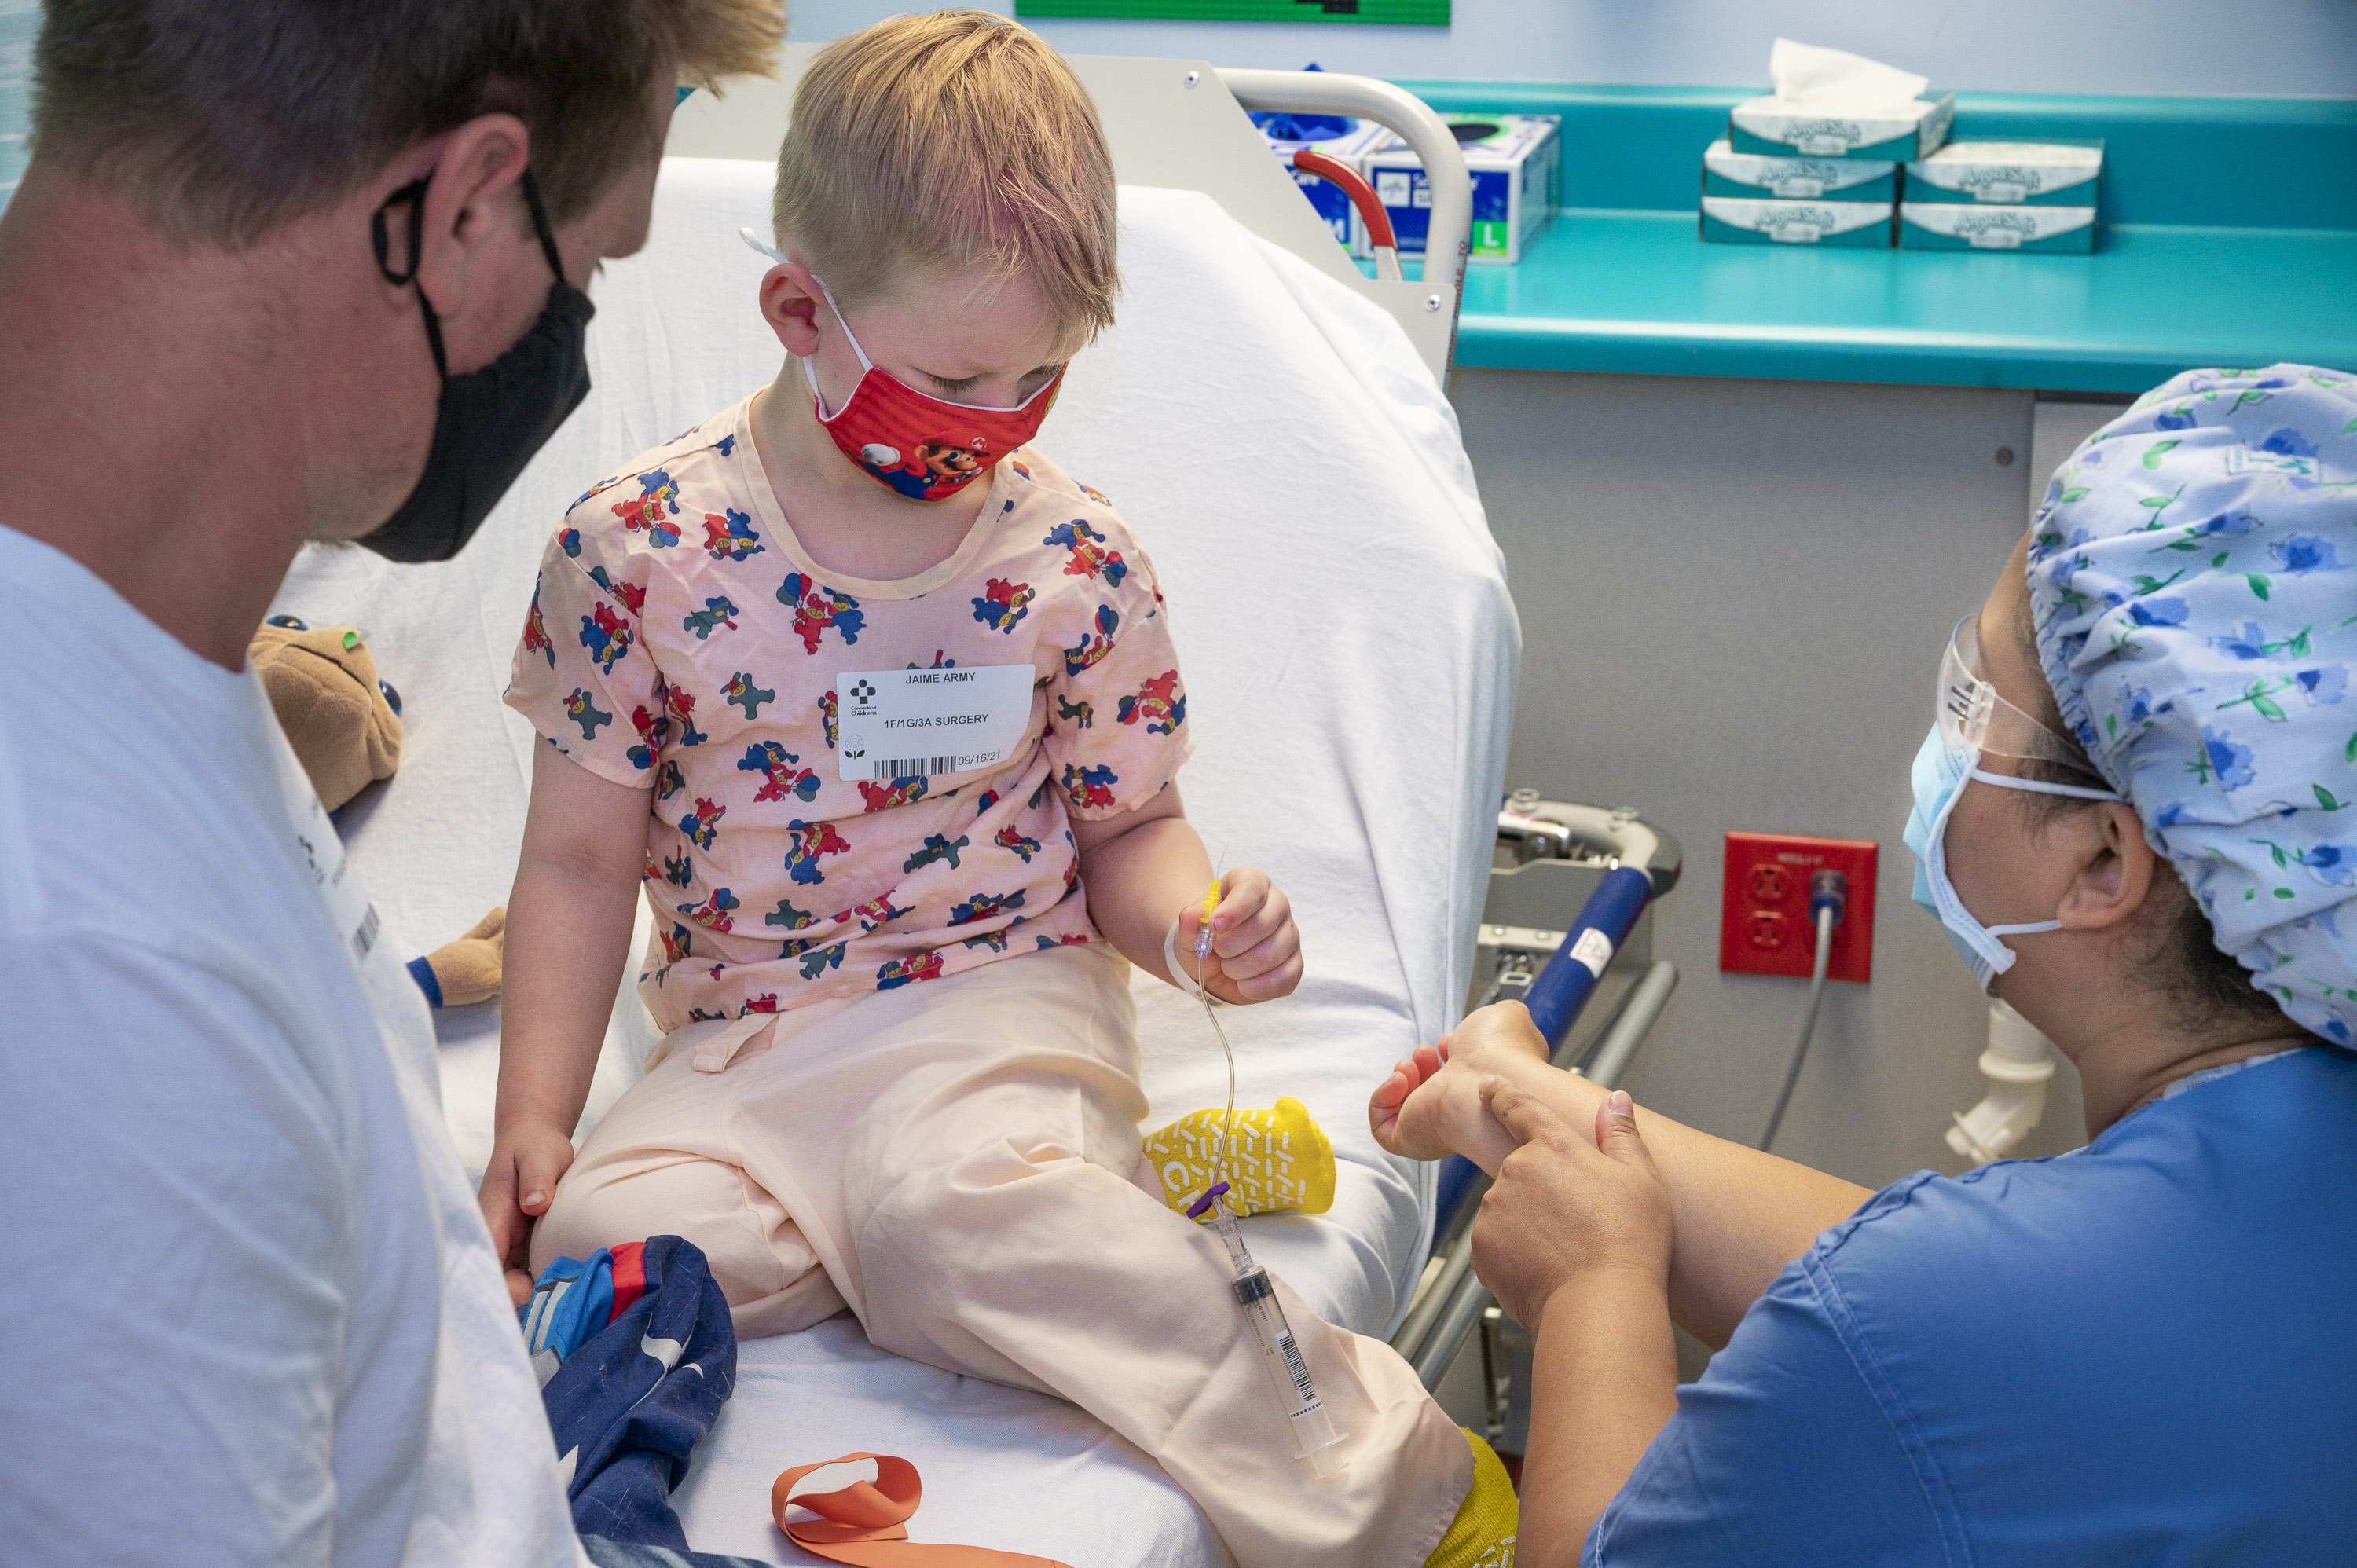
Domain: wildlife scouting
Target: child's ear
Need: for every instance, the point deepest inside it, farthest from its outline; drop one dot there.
(789, 304)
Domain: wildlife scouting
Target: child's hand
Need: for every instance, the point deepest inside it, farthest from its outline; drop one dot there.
(1256, 946)
(518, 1184)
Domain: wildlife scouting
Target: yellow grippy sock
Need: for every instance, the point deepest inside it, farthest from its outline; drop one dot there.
(1283, 1160)
(1483, 1533)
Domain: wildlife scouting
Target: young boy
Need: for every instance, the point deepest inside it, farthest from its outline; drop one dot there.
(882, 708)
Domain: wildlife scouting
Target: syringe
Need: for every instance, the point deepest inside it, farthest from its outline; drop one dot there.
(1314, 1438)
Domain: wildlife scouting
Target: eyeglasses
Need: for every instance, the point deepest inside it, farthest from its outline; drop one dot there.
(1973, 717)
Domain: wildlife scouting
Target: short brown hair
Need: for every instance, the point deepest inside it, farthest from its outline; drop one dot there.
(943, 141)
(225, 118)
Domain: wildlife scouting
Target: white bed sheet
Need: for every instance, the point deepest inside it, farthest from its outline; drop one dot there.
(1351, 654)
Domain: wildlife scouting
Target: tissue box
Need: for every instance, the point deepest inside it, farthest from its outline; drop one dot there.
(1758, 177)
(1344, 147)
(1860, 225)
(1782, 129)
(1953, 226)
(2010, 174)
(1516, 164)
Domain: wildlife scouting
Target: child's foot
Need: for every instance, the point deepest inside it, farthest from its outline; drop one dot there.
(1282, 1160)
(1406, 1111)
(1430, 1106)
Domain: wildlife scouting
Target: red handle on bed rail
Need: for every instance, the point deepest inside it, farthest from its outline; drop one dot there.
(1362, 195)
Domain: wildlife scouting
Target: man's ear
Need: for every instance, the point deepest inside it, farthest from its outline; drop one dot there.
(2117, 866)
(789, 304)
(468, 215)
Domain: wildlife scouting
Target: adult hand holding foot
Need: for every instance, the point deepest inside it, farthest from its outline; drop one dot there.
(1573, 1239)
(2132, 820)
(1739, 1215)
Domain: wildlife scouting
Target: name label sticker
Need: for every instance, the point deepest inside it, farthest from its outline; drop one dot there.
(900, 723)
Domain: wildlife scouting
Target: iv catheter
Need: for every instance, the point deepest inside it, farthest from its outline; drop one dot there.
(1314, 1438)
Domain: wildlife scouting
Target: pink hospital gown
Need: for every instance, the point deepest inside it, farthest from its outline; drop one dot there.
(680, 642)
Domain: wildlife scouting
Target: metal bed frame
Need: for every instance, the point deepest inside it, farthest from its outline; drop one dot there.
(1549, 854)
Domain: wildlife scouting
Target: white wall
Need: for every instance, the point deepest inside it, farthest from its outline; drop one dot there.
(2291, 48)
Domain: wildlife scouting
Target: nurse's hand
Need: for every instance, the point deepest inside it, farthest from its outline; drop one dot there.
(518, 1185)
(1569, 1207)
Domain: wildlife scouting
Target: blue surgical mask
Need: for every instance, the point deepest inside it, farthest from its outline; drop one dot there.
(1938, 777)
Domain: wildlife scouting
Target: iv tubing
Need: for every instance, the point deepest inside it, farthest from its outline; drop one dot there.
(1193, 986)
(1313, 1433)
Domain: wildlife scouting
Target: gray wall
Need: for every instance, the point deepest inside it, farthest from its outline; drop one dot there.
(2263, 47)
(1734, 594)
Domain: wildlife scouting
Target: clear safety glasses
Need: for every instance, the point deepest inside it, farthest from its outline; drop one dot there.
(1973, 717)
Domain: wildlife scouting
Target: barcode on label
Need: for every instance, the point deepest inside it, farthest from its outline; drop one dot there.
(902, 766)
(365, 934)
(1293, 1365)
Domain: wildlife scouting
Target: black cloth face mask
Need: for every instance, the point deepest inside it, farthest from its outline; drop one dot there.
(490, 421)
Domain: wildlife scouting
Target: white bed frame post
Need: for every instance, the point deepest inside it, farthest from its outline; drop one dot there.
(1436, 294)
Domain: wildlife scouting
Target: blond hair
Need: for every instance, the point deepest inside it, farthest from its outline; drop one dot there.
(945, 143)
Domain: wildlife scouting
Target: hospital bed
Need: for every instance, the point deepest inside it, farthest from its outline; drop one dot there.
(1272, 425)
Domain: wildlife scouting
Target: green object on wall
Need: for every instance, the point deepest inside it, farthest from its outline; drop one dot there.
(1396, 13)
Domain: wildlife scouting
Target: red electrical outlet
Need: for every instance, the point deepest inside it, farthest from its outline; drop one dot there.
(1764, 925)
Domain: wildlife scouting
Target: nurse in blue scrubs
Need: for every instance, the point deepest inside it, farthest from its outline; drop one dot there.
(2136, 816)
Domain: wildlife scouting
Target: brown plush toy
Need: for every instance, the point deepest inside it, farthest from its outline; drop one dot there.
(461, 973)
(344, 722)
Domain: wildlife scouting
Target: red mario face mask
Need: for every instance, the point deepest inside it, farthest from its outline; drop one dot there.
(925, 447)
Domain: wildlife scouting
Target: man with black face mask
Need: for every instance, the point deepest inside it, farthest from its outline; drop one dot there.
(278, 272)
(489, 421)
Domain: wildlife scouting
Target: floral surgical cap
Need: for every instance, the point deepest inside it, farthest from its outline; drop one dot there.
(2193, 573)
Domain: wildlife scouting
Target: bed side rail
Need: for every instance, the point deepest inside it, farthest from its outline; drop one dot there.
(1396, 110)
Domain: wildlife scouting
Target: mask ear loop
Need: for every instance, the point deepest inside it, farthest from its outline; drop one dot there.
(2033, 786)
(752, 237)
(413, 193)
(540, 226)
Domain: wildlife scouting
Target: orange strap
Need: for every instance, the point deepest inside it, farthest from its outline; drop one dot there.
(866, 1523)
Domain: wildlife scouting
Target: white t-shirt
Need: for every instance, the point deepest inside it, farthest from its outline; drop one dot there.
(253, 1315)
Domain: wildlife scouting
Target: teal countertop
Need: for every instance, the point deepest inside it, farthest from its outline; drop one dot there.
(1637, 291)
(2229, 237)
